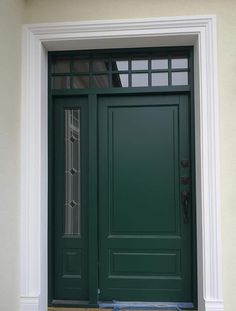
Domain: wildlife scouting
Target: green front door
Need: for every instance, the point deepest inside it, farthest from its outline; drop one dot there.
(144, 227)
(121, 177)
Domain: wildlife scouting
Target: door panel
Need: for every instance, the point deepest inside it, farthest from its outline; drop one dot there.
(145, 250)
(70, 199)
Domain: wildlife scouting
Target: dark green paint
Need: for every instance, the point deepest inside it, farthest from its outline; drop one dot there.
(144, 245)
(95, 273)
(71, 251)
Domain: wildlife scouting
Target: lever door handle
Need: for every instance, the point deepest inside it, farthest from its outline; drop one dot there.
(185, 201)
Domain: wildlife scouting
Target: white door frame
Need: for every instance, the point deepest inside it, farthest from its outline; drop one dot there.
(198, 31)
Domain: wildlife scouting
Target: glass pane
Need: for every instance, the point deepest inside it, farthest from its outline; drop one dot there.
(61, 82)
(160, 79)
(120, 64)
(139, 64)
(100, 65)
(81, 65)
(140, 79)
(179, 63)
(72, 171)
(179, 78)
(100, 81)
(120, 80)
(159, 63)
(62, 65)
(80, 82)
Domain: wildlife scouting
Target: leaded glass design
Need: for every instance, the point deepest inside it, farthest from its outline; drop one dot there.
(72, 172)
(97, 71)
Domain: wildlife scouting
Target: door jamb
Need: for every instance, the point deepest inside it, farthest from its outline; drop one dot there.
(199, 31)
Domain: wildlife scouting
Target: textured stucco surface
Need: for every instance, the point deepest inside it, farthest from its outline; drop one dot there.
(15, 12)
(11, 12)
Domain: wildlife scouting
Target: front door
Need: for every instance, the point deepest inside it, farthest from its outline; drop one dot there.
(121, 186)
(144, 227)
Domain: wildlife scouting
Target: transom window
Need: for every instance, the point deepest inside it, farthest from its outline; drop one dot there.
(120, 70)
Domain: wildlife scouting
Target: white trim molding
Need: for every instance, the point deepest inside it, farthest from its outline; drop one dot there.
(198, 31)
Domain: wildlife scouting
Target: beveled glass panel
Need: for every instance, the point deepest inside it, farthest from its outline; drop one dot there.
(179, 78)
(159, 64)
(139, 79)
(61, 65)
(120, 80)
(100, 81)
(160, 79)
(120, 65)
(139, 64)
(81, 65)
(179, 63)
(80, 82)
(100, 65)
(72, 172)
(61, 82)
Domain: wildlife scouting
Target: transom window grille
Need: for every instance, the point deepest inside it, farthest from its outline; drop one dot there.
(107, 71)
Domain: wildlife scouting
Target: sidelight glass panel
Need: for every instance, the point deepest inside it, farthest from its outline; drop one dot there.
(72, 171)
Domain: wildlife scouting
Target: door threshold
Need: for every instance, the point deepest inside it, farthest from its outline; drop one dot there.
(131, 305)
(97, 309)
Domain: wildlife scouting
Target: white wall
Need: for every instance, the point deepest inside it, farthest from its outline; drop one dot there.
(11, 12)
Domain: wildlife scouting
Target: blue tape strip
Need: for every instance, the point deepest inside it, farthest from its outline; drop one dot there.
(117, 306)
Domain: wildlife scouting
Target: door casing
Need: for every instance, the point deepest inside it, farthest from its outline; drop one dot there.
(199, 31)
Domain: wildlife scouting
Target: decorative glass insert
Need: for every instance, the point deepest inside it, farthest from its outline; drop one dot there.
(72, 206)
(120, 69)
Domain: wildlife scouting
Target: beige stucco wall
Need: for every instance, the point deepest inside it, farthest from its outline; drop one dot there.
(71, 10)
(34, 11)
(11, 12)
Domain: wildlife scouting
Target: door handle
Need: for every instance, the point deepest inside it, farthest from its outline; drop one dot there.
(185, 201)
